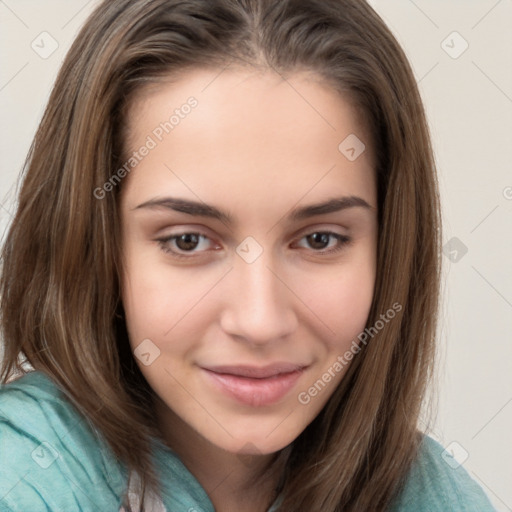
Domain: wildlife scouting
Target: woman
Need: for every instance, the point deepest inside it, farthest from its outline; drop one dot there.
(224, 269)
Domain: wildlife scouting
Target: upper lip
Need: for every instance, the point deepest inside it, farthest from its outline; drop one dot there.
(257, 372)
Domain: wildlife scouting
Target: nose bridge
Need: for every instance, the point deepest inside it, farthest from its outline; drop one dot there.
(259, 307)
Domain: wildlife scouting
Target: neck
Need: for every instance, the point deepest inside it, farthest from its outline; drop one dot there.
(233, 481)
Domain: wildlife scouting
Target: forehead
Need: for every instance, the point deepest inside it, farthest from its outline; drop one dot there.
(250, 134)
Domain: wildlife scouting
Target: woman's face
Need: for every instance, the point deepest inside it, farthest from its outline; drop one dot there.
(249, 229)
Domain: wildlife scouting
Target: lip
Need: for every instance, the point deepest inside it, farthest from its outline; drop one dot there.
(255, 386)
(257, 372)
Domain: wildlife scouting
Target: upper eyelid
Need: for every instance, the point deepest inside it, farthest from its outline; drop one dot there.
(321, 229)
(173, 235)
(301, 232)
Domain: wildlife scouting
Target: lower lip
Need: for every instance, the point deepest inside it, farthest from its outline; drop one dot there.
(254, 392)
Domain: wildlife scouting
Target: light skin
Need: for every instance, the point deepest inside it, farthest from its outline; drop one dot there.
(257, 148)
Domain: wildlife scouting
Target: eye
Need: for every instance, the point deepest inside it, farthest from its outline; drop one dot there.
(184, 245)
(324, 242)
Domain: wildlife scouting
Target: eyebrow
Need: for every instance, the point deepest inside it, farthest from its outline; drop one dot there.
(200, 209)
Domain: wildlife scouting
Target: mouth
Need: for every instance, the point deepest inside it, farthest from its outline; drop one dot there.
(255, 386)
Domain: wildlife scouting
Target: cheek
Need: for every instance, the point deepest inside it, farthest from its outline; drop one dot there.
(341, 302)
(170, 307)
(160, 301)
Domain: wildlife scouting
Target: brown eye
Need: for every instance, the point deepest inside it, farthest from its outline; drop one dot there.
(187, 241)
(324, 242)
(186, 244)
(318, 240)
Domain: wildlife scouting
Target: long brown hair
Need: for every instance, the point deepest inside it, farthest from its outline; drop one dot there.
(60, 282)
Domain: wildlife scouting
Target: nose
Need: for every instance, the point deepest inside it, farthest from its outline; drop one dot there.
(258, 304)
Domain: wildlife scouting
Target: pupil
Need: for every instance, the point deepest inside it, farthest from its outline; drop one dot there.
(318, 240)
(187, 241)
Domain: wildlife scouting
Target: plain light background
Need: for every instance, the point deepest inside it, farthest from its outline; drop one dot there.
(468, 98)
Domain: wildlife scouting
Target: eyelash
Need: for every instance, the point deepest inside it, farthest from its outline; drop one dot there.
(343, 241)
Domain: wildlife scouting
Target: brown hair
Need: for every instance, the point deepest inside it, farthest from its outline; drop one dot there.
(60, 282)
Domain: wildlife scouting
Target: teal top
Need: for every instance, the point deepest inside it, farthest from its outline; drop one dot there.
(52, 460)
